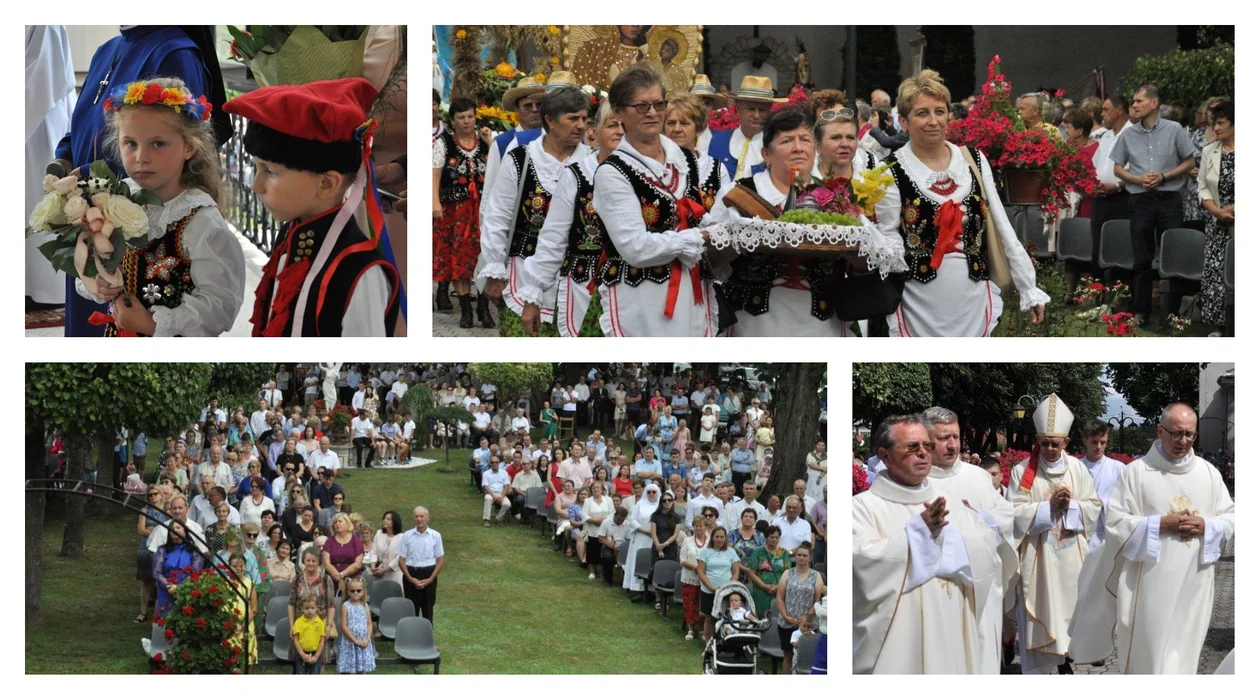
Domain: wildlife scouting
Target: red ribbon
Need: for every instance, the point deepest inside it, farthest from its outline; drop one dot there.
(99, 319)
(603, 258)
(948, 232)
(794, 280)
(689, 213)
(289, 285)
(1030, 474)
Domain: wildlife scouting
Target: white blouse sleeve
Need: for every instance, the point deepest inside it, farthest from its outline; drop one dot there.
(496, 221)
(623, 218)
(83, 292)
(365, 315)
(439, 153)
(1021, 265)
(218, 275)
(493, 160)
(539, 272)
(888, 211)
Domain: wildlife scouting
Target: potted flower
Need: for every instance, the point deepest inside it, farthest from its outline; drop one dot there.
(200, 626)
(1034, 167)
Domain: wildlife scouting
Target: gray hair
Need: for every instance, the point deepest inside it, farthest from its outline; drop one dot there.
(565, 100)
(937, 415)
(883, 439)
(864, 111)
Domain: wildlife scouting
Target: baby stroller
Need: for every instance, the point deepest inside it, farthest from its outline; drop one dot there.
(735, 643)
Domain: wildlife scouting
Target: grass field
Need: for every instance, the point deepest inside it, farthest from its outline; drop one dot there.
(506, 603)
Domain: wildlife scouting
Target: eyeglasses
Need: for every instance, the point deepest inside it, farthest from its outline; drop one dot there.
(1180, 434)
(251, 535)
(1050, 444)
(831, 115)
(530, 106)
(643, 107)
(918, 446)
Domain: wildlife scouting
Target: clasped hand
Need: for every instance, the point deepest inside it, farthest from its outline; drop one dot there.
(1183, 523)
(934, 515)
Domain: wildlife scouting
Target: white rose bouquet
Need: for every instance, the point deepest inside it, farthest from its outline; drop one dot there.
(93, 221)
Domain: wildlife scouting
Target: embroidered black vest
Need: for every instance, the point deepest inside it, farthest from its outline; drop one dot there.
(160, 274)
(351, 257)
(586, 234)
(532, 212)
(660, 214)
(752, 278)
(460, 170)
(918, 226)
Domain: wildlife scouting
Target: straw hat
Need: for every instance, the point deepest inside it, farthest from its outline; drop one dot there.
(559, 79)
(703, 89)
(756, 88)
(529, 85)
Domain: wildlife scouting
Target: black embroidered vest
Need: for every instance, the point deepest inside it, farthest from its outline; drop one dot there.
(160, 274)
(586, 234)
(660, 214)
(918, 226)
(532, 212)
(752, 278)
(460, 169)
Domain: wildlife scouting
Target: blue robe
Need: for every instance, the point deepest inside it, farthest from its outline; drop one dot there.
(141, 52)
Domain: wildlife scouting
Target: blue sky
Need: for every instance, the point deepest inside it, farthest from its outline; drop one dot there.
(1113, 403)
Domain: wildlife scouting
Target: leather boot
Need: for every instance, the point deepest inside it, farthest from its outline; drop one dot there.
(465, 311)
(483, 311)
(443, 297)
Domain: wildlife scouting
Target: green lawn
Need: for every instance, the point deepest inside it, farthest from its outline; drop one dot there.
(506, 603)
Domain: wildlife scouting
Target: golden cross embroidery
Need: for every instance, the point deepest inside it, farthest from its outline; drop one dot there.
(1183, 502)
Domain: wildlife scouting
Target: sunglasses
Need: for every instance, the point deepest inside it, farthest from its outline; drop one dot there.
(831, 115)
(251, 535)
(644, 107)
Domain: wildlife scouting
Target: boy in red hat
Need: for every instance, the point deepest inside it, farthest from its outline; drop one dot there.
(312, 148)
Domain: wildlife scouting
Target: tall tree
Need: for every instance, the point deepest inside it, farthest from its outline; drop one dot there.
(879, 60)
(512, 378)
(36, 458)
(882, 389)
(796, 412)
(239, 383)
(951, 51)
(1150, 386)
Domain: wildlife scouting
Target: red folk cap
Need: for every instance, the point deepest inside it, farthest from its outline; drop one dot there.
(326, 111)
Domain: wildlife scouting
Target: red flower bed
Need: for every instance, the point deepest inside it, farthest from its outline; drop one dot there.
(859, 479)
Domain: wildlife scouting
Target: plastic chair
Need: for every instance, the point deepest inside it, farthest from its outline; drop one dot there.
(1229, 265)
(277, 609)
(803, 657)
(534, 497)
(1013, 211)
(392, 611)
(1075, 239)
(1034, 232)
(381, 591)
(1017, 223)
(821, 568)
(1180, 258)
(643, 566)
(622, 552)
(282, 647)
(414, 643)
(368, 580)
(665, 577)
(1115, 250)
(678, 597)
(770, 644)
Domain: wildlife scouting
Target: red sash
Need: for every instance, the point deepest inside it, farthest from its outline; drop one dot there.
(689, 213)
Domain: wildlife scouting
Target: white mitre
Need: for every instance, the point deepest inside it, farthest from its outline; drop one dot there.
(1053, 418)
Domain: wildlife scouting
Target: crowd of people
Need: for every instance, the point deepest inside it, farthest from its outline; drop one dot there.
(563, 246)
(693, 499)
(1074, 561)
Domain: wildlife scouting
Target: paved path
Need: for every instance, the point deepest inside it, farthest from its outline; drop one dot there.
(446, 323)
(1220, 636)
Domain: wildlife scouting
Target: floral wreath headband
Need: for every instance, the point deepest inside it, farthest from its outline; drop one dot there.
(143, 92)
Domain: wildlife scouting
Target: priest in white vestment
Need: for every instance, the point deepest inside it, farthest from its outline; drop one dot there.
(923, 565)
(966, 484)
(1104, 469)
(1056, 509)
(1153, 580)
(50, 98)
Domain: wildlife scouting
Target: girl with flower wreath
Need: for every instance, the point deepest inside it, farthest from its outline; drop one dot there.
(190, 279)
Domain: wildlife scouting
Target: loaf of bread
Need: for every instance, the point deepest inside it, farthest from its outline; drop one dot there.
(747, 202)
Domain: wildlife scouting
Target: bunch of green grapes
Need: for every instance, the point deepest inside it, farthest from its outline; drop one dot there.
(809, 216)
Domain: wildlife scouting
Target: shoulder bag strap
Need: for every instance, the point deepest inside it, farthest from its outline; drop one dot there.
(999, 265)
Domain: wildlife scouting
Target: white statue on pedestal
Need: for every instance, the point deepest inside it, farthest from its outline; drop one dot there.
(332, 370)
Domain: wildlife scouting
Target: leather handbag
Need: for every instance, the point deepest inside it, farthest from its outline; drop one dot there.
(995, 256)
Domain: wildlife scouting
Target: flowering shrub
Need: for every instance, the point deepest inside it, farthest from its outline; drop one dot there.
(859, 478)
(200, 625)
(724, 119)
(1119, 324)
(1178, 324)
(996, 129)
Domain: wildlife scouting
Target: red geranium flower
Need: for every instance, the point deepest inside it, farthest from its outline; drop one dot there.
(185, 655)
(230, 662)
(195, 593)
(236, 651)
(187, 610)
(227, 643)
(200, 622)
(170, 634)
(227, 624)
(158, 657)
(214, 588)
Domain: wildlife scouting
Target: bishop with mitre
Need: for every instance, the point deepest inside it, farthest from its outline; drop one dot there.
(923, 565)
(1056, 509)
(1153, 580)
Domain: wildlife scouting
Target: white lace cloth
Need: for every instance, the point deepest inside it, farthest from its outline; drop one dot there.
(749, 235)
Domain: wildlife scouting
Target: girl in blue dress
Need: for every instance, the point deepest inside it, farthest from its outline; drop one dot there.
(356, 653)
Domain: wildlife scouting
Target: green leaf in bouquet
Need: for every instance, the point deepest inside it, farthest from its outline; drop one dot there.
(63, 259)
(49, 249)
(145, 197)
(89, 268)
(277, 35)
(100, 168)
(121, 188)
(115, 258)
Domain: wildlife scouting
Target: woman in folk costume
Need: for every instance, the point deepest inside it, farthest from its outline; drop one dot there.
(778, 296)
(312, 145)
(519, 203)
(937, 211)
(459, 164)
(571, 244)
(683, 116)
(1056, 509)
(649, 195)
(640, 533)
